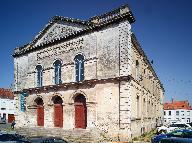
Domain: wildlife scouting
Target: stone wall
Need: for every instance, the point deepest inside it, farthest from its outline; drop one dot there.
(146, 96)
(101, 102)
(113, 108)
(100, 50)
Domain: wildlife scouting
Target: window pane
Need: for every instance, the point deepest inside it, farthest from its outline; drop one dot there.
(39, 75)
(57, 78)
(177, 134)
(79, 67)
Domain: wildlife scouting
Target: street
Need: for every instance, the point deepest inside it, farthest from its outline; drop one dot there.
(5, 126)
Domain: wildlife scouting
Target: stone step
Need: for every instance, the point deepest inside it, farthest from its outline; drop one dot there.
(81, 136)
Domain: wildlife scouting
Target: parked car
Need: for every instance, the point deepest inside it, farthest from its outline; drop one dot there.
(169, 128)
(11, 137)
(183, 133)
(176, 140)
(190, 124)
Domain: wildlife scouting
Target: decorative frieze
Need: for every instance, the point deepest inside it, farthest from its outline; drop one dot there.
(60, 49)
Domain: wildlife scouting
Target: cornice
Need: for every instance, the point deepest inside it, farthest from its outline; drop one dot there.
(72, 84)
(141, 52)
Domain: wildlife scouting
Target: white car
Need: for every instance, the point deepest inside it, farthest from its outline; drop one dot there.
(172, 127)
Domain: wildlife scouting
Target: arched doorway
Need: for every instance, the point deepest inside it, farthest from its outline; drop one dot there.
(80, 112)
(40, 111)
(58, 111)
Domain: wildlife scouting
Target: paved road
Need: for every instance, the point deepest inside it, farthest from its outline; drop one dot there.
(5, 126)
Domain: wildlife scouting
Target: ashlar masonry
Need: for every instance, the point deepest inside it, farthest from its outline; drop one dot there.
(86, 80)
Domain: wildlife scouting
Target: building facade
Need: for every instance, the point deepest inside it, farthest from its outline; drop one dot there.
(7, 105)
(177, 111)
(87, 78)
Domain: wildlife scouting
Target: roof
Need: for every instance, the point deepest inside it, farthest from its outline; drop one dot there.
(6, 94)
(177, 105)
(93, 24)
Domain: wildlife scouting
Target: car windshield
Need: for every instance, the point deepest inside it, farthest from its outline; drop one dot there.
(179, 125)
(175, 134)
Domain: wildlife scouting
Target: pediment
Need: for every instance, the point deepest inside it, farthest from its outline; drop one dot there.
(58, 30)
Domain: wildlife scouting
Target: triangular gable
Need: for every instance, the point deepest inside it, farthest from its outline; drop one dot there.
(57, 28)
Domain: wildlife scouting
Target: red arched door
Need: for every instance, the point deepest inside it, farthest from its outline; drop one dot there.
(11, 118)
(40, 111)
(40, 115)
(80, 112)
(58, 115)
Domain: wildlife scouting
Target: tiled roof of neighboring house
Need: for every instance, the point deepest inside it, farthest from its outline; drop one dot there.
(6, 93)
(177, 105)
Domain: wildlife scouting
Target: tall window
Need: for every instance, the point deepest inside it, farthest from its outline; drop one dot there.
(79, 67)
(39, 70)
(23, 101)
(138, 110)
(57, 66)
(169, 113)
(144, 107)
(137, 70)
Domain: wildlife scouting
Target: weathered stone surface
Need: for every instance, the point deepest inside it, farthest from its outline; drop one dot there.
(117, 109)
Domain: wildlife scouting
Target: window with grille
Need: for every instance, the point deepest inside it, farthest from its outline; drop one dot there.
(39, 70)
(57, 72)
(23, 102)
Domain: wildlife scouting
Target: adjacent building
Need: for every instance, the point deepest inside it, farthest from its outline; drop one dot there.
(87, 80)
(177, 111)
(7, 105)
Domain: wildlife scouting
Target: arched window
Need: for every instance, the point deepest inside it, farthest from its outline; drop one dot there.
(39, 70)
(57, 72)
(79, 67)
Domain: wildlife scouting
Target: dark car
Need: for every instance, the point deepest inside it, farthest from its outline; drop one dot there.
(190, 124)
(176, 140)
(178, 133)
(47, 140)
(9, 137)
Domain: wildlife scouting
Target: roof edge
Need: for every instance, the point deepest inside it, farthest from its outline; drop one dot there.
(91, 23)
(140, 50)
(27, 49)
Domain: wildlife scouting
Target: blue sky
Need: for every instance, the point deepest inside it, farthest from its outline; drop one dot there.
(163, 28)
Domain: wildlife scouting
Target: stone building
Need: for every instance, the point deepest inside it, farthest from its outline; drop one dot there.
(87, 79)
